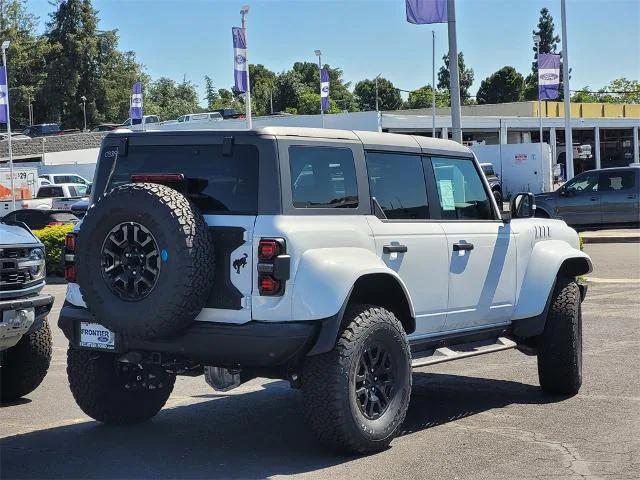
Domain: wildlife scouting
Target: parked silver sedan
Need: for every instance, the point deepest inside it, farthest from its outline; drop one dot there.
(605, 197)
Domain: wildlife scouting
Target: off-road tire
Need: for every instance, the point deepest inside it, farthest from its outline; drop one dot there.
(186, 273)
(25, 365)
(560, 345)
(329, 391)
(100, 392)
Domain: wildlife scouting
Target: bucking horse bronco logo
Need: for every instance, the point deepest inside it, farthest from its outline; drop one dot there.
(239, 263)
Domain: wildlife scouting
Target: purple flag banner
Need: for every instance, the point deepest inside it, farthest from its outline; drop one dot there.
(548, 76)
(4, 95)
(136, 111)
(324, 89)
(239, 59)
(427, 11)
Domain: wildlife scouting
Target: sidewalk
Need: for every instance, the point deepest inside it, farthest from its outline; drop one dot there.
(629, 235)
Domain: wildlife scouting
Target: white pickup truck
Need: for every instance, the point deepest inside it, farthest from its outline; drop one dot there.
(59, 196)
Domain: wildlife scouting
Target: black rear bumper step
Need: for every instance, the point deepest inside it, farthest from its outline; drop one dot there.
(252, 344)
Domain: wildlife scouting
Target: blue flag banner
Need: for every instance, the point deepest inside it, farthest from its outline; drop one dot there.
(136, 111)
(548, 76)
(324, 89)
(4, 95)
(427, 11)
(239, 59)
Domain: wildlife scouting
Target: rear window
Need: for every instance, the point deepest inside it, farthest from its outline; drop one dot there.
(488, 170)
(216, 183)
(323, 177)
(49, 192)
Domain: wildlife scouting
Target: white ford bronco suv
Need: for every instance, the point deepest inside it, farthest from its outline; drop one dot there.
(337, 260)
(25, 337)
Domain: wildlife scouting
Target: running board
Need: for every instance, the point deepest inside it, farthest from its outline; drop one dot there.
(456, 352)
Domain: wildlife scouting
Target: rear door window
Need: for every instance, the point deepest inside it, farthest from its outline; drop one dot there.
(323, 177)
(216, 183)
(616, 181)
(397, 183)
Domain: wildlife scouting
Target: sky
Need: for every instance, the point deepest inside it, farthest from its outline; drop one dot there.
(192, 38)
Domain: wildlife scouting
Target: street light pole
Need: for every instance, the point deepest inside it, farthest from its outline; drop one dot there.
(536, 40)
(4, 47)
(376, 79)
(319, 54)
(247, 102)
(568, 134)
(84, 111)
(433, 86)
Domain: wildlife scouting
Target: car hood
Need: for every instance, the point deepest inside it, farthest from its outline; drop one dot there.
(15, 235)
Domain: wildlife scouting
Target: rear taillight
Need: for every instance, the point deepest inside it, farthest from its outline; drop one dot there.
(273, 266)
(69, 257)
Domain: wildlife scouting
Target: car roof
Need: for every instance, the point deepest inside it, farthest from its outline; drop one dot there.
(609, 169)
(370, 140)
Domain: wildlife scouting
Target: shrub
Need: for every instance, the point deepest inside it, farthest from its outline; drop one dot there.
(53, 240)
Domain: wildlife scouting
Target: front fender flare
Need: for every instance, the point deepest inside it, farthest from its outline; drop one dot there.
(549, 260)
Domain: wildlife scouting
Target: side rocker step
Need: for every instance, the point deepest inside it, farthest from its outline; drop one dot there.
(456, 352)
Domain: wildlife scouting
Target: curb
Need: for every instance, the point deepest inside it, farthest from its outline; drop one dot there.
(611, 239)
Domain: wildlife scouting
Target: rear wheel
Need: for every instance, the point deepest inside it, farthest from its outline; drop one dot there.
(114, 392)
(560, 345)
(25, 365)
(357, 395)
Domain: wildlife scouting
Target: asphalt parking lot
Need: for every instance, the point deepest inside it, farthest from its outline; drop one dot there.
(483, 417)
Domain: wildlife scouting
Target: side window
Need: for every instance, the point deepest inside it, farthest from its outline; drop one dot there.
(460, 190)
(44, 192)
(323, 177)
(397, 183)
(614, 181)
(586, 183)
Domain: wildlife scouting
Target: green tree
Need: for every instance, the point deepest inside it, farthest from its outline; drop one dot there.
(388, 95)
(71, 63)
(309, 104)
(338, 88)
(169, 99)
(548, 44)
(288, 90)
(585, 96)
(211, 94)
(503, 86)
(263, 83)
(627, 91)
(466, 77)
(423, 98)
(26, 54)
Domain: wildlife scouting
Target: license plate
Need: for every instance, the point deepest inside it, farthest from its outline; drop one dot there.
(18, 318)
(94, 335)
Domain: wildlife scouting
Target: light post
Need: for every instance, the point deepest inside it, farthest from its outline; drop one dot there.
(376, 80)
(536, 40)
(568, 134)
(84, 111)
(243, 13)
(30, 109)
(319, 55)
(5, 46)
(433, 85)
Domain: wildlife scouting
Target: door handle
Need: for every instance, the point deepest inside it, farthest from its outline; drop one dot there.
(631, 197)
(457, 247)
(593, 199)
(394, 249)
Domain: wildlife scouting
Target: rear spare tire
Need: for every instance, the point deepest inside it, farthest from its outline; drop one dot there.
(144, 261)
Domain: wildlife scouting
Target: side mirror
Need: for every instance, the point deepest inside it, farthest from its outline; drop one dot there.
(523, 205)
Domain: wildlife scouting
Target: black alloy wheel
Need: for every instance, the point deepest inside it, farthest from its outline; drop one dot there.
(374, 381)
(130, 261)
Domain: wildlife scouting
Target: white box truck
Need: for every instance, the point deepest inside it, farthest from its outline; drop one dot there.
(25, 186)
(520, 166)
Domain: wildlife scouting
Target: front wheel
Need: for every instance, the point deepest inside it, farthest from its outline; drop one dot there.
(560, 345)
(25, 365)
(114, 392)
(357, 395)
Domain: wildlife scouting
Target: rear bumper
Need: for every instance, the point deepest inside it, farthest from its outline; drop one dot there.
(253, 344)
